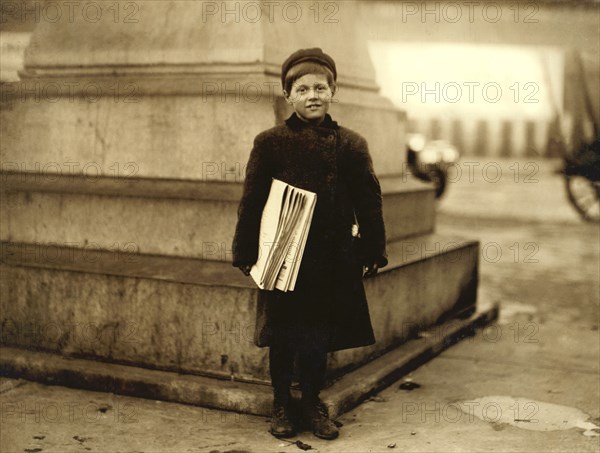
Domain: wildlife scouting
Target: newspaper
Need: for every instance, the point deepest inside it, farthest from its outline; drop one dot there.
(284, 228)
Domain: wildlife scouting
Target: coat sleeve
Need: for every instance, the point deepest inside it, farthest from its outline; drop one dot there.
(256, 191)
(366, 194)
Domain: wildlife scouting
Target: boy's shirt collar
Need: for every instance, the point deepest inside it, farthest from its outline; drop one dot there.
(296, 123)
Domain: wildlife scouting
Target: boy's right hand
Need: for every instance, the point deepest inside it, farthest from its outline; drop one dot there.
(245, 268)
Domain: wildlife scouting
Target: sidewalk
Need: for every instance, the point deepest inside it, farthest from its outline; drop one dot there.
(527, 383)
(508, 189)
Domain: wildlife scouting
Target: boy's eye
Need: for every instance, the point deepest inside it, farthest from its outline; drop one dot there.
(318, 88)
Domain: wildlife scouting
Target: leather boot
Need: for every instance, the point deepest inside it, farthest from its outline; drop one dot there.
(281, 425)
(317, 418)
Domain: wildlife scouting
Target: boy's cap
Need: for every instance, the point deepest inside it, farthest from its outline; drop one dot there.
(302, 55)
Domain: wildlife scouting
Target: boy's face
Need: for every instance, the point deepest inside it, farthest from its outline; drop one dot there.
(310, 97)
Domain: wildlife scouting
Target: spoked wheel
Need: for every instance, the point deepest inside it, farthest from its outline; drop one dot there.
(584, 195)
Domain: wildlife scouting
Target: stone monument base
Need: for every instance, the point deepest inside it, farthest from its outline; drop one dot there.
(253, 398)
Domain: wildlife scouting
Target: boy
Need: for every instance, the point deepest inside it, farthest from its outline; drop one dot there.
(327, 311)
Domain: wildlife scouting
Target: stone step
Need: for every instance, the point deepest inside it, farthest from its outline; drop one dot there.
(194, 219)
(198, 317)
(242, 397)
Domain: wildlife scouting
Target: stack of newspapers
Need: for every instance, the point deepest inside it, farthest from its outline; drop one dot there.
(284, 227)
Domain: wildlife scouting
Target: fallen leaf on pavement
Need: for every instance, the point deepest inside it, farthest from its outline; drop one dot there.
(302, 446)
(409, 385)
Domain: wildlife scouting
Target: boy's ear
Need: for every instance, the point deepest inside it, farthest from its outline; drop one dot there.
(334, 88)
(286, 96)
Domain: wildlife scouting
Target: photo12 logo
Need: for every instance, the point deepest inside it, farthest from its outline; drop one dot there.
(79, 333)
(69, 91)
(54, 171)
(470, 12)
(467, 411)
(53, 12)
(68, 411)
(470, 92)
(254, 11)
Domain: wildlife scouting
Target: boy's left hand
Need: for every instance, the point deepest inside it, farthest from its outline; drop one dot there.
(370, 270)
(245, 268)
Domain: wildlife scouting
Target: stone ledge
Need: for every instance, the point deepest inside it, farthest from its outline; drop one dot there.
(196, 271)
(343, 395)
(113, 214)
(207, 190)
(122, 187)
(165, 80)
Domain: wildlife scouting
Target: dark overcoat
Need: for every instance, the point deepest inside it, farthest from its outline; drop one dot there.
(329, 296)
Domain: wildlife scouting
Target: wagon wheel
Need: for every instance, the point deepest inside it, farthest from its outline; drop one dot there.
(584, 195)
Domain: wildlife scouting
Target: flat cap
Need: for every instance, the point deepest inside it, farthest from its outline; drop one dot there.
(314, 54)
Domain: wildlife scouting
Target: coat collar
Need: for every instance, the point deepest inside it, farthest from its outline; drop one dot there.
(296, 123)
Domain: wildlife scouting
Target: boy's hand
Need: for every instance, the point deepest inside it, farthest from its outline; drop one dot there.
(245, 268)
(371, 270)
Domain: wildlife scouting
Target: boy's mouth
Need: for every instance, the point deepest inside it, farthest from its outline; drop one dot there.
(313, 106)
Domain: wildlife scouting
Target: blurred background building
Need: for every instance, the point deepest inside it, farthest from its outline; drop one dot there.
(532, 66)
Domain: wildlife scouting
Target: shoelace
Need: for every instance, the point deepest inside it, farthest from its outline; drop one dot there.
(280, 412)
(322, 409)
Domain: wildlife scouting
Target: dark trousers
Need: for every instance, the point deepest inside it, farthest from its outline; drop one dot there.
(309, 345)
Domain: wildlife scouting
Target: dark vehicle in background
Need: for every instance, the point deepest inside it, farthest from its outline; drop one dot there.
(582, 179)
(581, 164)
(430, 160)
